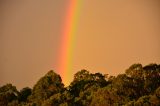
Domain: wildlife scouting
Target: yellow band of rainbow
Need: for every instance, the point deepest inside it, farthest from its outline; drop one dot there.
(68, 40)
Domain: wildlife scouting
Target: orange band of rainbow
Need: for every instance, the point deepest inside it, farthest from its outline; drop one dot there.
(68, 39)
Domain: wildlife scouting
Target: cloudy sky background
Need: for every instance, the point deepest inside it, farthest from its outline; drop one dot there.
(111, 35)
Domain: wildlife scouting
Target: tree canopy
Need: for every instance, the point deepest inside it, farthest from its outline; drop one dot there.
(138, 86)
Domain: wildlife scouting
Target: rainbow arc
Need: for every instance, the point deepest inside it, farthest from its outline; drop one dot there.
(68, 40)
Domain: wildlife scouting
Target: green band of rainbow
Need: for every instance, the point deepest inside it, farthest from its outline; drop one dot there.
(68, 40)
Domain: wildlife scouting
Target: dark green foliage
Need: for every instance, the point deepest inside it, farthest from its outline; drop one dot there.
(47, 86)
(151, 77)
(108, 97)
(138, 86)
(147, 100)
(8, 93)
(127, 86)
(24, 93)
(83, 86)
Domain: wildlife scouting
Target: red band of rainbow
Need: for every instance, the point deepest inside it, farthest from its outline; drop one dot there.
(67, 41)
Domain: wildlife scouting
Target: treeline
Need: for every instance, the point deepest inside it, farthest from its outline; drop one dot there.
(138, 86)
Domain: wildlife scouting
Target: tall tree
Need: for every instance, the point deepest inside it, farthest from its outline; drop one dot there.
(8, 93)
(47, 86)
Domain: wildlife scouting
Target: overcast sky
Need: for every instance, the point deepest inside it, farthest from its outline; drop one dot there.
(111, 35)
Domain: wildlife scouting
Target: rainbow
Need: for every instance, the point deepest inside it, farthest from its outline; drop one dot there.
(68, 39)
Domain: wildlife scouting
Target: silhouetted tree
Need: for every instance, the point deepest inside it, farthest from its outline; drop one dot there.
(47, 86)
(24, 93)
(8, 93)
(138, 86)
